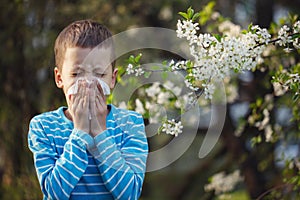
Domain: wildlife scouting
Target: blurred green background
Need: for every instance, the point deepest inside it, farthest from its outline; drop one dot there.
(28, 30)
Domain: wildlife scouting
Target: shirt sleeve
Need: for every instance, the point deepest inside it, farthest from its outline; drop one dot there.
(58, 175)
(123, 168)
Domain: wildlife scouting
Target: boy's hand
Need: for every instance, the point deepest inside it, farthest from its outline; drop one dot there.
(79, 107)
(98, 109)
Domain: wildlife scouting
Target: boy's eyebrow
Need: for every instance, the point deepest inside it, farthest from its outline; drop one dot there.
(95, 68)
(100, 69)
(78, 66)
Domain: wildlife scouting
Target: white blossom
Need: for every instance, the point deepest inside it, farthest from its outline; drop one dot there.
(130, 69)
(229, 28)
(172, 127)
(190, 85)
(279, 89)
(297, 163)
(215, 59)
(296, 43)
(262, 124)
(232, 93)
(209, 90)
(269, 133)
(263, 35)
(153, 90)
(185, 100)
(170, 86)
(139, 108)
(215, 15)
(296, 27)
(283, 35)
(178, 103)
(139, 71)
(163, 97)
(186, 29)
(155, 112)
(222, 183)
(122, 105)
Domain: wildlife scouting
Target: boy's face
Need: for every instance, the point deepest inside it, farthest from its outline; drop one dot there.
(85, 63)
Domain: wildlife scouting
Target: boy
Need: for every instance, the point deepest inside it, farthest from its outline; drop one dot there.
(88, 150)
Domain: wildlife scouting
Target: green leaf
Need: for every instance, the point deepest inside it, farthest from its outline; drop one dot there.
(296, 97)
(218, 37)
(138, 58)
(206, 12)
(259, 102)
(165, 62)
(250, 27)
(189, 64)
(281, 21)
(244, 31)
(159, 131)
(131, 59)
(155, 67)
(296, 36)
(294, 87)
(147, 74)
(164, 75)
(195, 17)
(190, 13)
(184, 15)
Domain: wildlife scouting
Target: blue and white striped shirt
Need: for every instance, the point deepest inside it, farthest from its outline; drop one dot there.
(70, 164)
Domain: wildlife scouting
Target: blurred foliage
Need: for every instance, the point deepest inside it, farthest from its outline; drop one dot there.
(28, 31)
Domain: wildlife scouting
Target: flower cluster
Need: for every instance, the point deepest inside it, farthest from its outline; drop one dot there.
(137, 70)
(285, 80)
(214, 57)
(187, 29)
(296, 41)
(172, 127)
(284, 36)
(134, 66)
(222, 183)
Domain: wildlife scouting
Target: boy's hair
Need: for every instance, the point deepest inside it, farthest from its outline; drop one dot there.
(85, 34)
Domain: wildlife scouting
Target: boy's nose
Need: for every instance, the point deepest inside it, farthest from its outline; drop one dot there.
(90, 80)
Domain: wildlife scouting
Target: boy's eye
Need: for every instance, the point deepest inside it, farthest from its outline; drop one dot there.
(73, 74)
(100, 74)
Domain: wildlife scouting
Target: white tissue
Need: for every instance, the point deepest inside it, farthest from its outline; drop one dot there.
(74, 88)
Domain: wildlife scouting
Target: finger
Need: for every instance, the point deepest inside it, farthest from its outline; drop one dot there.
(74, 104)
(93, 102)
(85, 97)
(100, 101)
(99, 87)
(101, 97)
(81, 91)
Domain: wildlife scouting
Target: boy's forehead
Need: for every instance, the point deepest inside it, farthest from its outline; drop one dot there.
(98, 57)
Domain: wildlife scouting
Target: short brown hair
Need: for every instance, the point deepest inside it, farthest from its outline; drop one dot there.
(82, 33)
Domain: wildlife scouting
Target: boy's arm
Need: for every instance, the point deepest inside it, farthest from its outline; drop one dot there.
(58, 174)
(123, 168)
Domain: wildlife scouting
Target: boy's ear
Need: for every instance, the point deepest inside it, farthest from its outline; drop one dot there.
(114, 78)
(58, 79)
